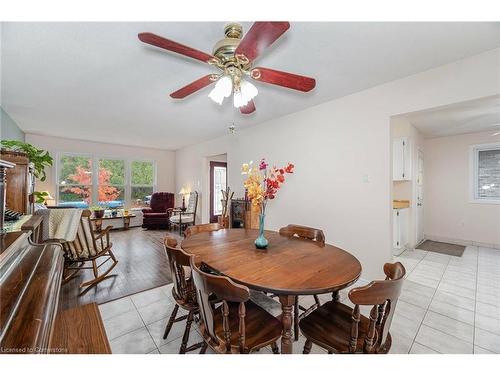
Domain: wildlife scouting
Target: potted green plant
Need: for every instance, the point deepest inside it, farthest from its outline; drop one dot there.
(40, 196)
(40, 158)
(98, 211)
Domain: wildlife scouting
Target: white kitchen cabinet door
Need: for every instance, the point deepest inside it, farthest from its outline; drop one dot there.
(395, 231)
(401, 159)
(400, 229)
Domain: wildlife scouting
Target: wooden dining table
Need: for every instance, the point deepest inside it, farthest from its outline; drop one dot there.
(289, 267)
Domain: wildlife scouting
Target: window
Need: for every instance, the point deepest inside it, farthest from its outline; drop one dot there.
(217, 183)
(142, 185)
(75, 181)
(486, 173)
(85, 180)
(111, 183)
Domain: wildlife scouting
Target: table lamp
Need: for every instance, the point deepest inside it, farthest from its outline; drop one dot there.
(183, 194)
(48, 199)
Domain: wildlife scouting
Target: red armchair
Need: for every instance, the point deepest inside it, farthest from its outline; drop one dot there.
(157, 216)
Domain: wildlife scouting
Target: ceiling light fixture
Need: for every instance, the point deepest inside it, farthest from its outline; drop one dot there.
(243, 91)
(223, 89)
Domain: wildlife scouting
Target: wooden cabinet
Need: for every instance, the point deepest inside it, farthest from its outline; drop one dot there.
(19, 182)
(401, 159)
(244, 214)
(400, 229)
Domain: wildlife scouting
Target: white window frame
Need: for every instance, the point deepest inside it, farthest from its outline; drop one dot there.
(95, 176)
(129, 173)
(473, 172)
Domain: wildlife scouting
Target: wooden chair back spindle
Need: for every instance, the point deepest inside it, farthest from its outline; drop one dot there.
(177, 260)
(226, 290)
(383, 295)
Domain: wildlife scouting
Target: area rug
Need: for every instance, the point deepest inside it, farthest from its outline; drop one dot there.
(442, 248)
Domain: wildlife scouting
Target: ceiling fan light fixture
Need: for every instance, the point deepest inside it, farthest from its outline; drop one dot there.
(244, 94)
(238, 100)
(248, 90)
(223, 89)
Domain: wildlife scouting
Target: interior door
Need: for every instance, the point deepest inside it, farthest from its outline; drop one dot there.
(218, 182)
(420, 198)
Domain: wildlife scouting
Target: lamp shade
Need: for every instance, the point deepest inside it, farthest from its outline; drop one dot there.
(47, 197)
(183, 191)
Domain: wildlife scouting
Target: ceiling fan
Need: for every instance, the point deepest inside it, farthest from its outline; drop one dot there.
(235, 56)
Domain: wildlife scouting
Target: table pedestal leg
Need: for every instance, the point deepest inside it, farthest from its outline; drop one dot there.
(98, 225)
(287, 303)
(126, 223)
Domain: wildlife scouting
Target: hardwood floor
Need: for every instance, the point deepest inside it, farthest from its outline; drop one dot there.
(142, 265)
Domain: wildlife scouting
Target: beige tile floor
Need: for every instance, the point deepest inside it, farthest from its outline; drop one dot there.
(448, 305)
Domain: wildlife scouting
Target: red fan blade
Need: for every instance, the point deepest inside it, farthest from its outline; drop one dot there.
(249, 108)
(194, 86)
(260, 36)
(170, 45)
(275, 77)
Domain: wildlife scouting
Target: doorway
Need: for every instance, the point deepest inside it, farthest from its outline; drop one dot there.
(218, 182)
(419, 198)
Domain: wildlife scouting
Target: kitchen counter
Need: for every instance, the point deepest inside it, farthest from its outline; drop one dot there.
(398, 204)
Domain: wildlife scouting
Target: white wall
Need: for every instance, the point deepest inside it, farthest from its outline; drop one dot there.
(449, 214)
(165, 160)
(334, 146)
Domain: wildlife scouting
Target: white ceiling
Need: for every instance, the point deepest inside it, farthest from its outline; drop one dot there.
(473, 116)
(97, 81)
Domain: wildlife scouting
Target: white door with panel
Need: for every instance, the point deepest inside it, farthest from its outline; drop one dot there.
(419, 198)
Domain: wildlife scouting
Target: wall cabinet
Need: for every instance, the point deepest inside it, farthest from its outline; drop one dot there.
(400, 230)
(401, 159)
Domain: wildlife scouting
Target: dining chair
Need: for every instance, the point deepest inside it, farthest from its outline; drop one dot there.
(313, 234)
(182, 291)
(201, 228)
(339, 328)
(236, 325)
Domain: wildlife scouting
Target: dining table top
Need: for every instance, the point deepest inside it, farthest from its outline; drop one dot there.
(289, 265)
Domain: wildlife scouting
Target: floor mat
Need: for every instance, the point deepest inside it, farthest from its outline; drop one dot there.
(442, 248)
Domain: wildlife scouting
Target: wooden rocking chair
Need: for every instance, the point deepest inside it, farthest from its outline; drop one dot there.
(88, 246)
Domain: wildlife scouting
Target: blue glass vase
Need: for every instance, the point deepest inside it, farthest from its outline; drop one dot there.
(261, 242)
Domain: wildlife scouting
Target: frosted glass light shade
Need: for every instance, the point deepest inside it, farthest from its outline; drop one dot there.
(248, 90)
(246, 93)
(222, 89)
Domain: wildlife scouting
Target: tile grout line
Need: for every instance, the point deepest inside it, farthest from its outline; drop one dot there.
(420, 260)
(475, 303)
(140, 316)
(427, 310)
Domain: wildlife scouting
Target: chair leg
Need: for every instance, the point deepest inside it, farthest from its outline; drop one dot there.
(185, 337)
(203, 348)
(170, 321)
(316, 299)
(91, 283)
(274, 347)
(307, 347)
(296, 318)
